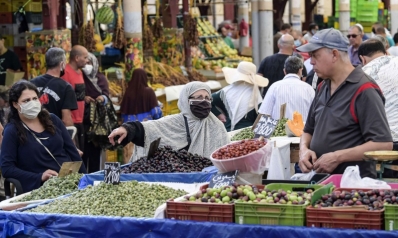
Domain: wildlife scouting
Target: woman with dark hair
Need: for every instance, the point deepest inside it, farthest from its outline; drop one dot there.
(35, 142)
(139, 102)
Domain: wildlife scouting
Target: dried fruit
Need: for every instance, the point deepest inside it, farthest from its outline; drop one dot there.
(238, 149)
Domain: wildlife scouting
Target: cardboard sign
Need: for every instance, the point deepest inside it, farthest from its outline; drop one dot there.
(13, 76)
(153, 147)
(69, 167)
(265, 127)
(223, 179)
(112, 172)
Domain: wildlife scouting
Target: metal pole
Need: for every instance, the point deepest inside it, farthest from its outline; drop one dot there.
(266, 23)
(243, 13)
(187, 48)
(255, 34)
(344, 16)
(394, 17)
(295, 14)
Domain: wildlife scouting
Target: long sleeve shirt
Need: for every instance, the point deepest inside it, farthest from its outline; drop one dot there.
(28, 161)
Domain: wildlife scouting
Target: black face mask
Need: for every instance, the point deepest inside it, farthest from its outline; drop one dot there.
(200, 109)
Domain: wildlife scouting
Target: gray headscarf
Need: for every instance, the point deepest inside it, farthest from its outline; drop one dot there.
(207, 134)
(93, 76)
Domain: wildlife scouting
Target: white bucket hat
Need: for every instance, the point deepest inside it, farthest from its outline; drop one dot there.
(246, 72)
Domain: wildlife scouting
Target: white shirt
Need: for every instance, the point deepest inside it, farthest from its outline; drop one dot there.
(308, 66)
(384, 71)
(297, 95)
(393, 50)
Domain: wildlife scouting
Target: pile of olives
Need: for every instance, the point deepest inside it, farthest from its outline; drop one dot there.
(280, 129)
(54, 187)
(127, 199)
(167, 160)
(245, 133)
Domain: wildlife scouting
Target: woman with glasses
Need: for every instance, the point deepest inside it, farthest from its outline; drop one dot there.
(195, 129)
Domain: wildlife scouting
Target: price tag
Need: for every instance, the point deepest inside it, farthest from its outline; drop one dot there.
(265, 127)
(69, 167)
(112, 172)
(223, 179)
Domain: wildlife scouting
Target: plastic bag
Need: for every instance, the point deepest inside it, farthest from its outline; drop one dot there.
(352, 179)
(301, 176)
(255, 162)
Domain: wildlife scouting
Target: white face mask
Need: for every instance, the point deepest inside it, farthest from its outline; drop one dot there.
(31, 109)
(88, 69)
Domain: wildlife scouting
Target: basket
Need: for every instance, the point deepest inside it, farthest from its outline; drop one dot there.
(274, 214)
(254, 162)
(391, 217)
(197, 211)
(5, 6)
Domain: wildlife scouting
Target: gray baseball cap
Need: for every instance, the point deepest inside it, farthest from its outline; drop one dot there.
(329, 38)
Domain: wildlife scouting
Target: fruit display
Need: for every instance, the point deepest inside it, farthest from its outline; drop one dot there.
(99, 46)
(54, 187)
(164, 74)
(238, 149)
(86, 36)
(374, 199)
(194, 75)
(280, 128)
(105, 15)
(167, 160)
(295, 127)
(275, 196)
(128, 199)
(245, 133)
(205, 28)
(133, 57)
(191, 31)
(119, 39)
(169, 48)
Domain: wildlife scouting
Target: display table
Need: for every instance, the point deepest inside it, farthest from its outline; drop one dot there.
(43, 225)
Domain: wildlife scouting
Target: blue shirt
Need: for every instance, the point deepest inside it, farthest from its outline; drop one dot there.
(154, 114)
(354, 58)
(27, 162)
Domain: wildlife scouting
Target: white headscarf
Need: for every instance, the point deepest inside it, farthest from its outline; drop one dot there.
(207, 134)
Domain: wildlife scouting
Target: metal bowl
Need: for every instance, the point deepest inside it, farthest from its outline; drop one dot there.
(382, 155)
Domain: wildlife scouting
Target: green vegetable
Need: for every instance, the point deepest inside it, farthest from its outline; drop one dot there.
(245, 133)
(54, 187)
(131, 199)
(280, 128)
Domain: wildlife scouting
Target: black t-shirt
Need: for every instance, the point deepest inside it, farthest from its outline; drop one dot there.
(56, 94)
(272, 68)
(8, 60)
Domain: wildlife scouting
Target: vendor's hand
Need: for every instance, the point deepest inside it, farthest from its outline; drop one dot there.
(80, 152)
(48, 174)
(88, 99)
(326, 163)
(307, 159)
(100, 99)
(222, 118)
(121, 131)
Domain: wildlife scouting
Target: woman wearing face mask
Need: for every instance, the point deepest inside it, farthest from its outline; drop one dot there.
(35, 143)
(313, 28)
(195, 129)
(97, 89)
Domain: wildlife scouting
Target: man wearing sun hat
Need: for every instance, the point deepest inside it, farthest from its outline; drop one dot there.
(347, 116)
(237, 104)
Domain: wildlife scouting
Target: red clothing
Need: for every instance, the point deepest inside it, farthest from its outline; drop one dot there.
(77, 82)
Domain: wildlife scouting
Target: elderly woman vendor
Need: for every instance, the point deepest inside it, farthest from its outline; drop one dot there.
(195, 129)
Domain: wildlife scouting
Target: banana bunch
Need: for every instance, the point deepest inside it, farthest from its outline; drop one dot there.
(156, 86)
(108, 39)
(115, 89)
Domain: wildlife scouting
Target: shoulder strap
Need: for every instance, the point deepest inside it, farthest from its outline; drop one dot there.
(38, 140)
(188, 134)
(358, 92)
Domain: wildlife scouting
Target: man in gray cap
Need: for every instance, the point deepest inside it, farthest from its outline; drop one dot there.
(347, 116)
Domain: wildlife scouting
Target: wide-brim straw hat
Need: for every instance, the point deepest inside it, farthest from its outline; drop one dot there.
(246, 72)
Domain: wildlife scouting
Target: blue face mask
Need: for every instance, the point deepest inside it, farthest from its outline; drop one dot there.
(297, 43)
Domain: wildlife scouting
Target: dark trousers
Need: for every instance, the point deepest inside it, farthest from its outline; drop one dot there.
(91, 155)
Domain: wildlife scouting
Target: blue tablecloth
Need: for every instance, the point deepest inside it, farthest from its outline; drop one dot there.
(51, 225)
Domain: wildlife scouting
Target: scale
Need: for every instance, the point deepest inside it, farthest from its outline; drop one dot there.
(384, 158)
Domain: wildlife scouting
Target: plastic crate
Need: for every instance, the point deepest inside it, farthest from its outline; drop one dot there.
(197, 211)
(391, 217)
(5, 6)
(316, 179)
(5, 18)
(35, 27)
(21, 52)
(336, 179)
(169, 108)
(274, 214)
(32, 6)
(8, 40)
(19, 39)
(6, 29)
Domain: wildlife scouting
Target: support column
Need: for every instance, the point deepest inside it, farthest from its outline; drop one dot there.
(187, 47)
(394, 17)
(344, 16)
(50, 13)
(243, 18)
(266, 22)
(255, 34)
(295, 14)
(133, 33)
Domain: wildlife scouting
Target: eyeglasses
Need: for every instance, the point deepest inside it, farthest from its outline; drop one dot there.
(201, 98)
(352, 35)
